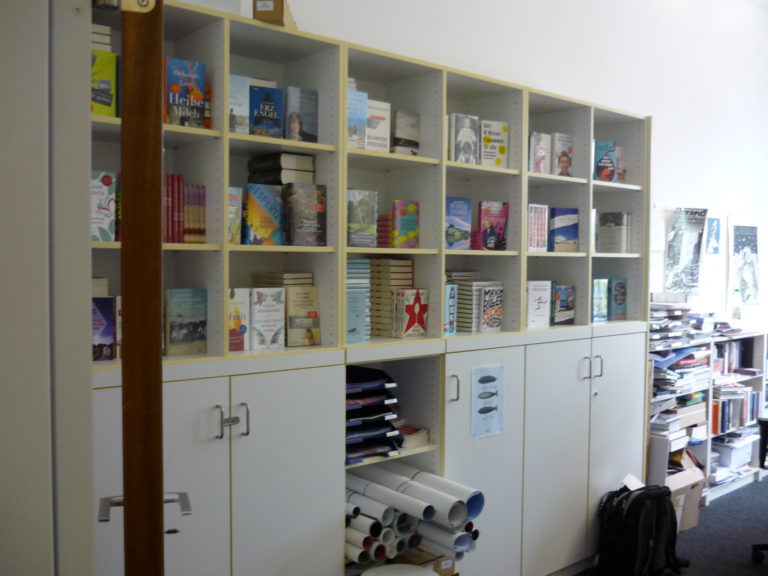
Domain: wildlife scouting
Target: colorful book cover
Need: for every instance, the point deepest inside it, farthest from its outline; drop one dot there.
(464, 138)
(406, 132)
(491, 308)
(450, 312)
(458, 223)
(267, 112)
(617, 299)
(605, 161)
(357, 118)
(305, 214)
(186, 321)
(599, 299)
(539, 298)
(564, 306)
(538, 227)
(235, 215)
(362, 213)
(613, 232)
(184, 92)
(405, 224)
(494, 143)
(301, 109)
(103, 83)
(262, 215)
(103, 328)
(267, 322)
(410, 315)
(378, 125)
(563, 230)
(103, 206)
(540, 153)
(238, 314)
(562, 154)
(239, 103)
(302, 315)
(492, 224)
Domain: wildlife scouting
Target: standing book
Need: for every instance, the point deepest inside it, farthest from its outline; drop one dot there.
(235, 215)
(305, 214)
(450, 303)
(562, 154)
(186, 321)
(262, 215)
(564, 306)
(357, 118)
(538, 227)
(613, 232)
(378, 125)
(563, 230)
(617, 299)
(406, 133)
(184, 92)
(606, 161)
(411, 309)
(539, 297)
(238, 314)
(103, 328)
(103, 206)
(301, 109)
(599, 299)
(492, 225)
(492, 308)
(540, 153)
(494, 143)
(239, 103)
(103, 83)
(267, 318)
(458, 223)
(464, 138)
(362, 213)
(302, 311)
(266, 111)
(405, 224)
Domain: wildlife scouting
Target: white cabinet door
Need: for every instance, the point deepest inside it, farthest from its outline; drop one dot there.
(617, 418)
(492, 464)
(556, 455)
(196, 463)
(288, 473)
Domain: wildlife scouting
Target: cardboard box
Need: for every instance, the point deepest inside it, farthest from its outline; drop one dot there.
(268, 11)
(441, 565)
(686, 487)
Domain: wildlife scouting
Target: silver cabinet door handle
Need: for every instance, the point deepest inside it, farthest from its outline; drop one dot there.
(458, 388)
(247, 419)
(600, 374)
(220, 435)
(109, 502)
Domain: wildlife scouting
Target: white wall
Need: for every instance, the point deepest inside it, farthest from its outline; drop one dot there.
(696, 66)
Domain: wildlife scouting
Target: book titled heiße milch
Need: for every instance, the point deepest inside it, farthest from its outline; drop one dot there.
(184, 92)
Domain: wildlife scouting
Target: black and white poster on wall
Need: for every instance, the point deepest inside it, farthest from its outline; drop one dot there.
(744, 266)
(683, 251)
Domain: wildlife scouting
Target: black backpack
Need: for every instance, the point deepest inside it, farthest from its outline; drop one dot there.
(638, 533)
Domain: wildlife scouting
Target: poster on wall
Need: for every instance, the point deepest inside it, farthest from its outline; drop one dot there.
(684, 243)
(744, 267)
(712, 242)
(487, 404)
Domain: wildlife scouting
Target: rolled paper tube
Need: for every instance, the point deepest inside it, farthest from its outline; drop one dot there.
(418, 508)
(469, 526)
(357, 554)
(352, 509)
(379, 551)
(392, 549)
(387, 536)
(401, 544)
(414, 540)
(366, 525)
(474, 499)
(475, 534)
(442, 550)
(359, 539)
(371, 507)
(449, 510)
(404, 524)
(458, 541)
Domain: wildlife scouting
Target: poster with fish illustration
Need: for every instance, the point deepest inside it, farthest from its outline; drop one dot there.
(487, 406)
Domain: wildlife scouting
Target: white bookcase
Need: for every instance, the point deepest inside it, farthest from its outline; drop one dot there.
(218, 159)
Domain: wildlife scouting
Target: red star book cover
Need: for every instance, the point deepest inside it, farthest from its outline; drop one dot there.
(410, 313)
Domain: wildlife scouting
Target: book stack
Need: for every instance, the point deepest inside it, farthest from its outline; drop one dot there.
(358, 300)
(480, 304)
(101, 37)
(281, 168)
(387, 276)
(383, 230)
(371, 411)
(405, 224)
(184, 213)
(362, 213)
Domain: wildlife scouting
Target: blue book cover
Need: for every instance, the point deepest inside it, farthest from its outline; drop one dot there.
(267, 108)
(301, 109)
(564, 307)
(239, 103)
(358, 315)
(606, 161)
(357, 118)
(184, 92)
(262, 215)
(450, 302)
(617, 299)
(563, 230)
(186, 321)
(458, 223)
(103, 327)
(599, 299)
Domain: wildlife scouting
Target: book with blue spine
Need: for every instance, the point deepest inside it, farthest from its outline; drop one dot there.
(458, 223)
(563, 230)
(267, 111)
(262, 215)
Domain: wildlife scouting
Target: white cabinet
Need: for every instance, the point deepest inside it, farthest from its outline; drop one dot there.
(288, 473)
(583, 434)
(492, 464)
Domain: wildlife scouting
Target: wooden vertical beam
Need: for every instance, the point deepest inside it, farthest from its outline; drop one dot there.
(141, 170)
